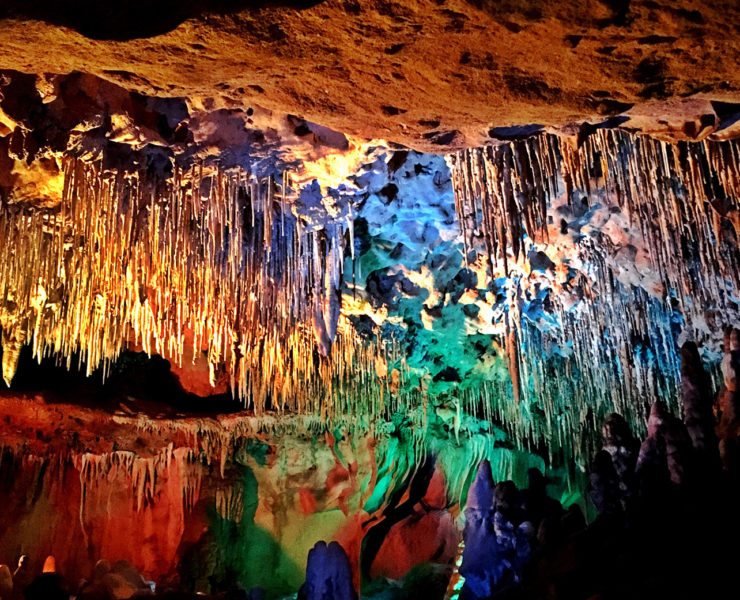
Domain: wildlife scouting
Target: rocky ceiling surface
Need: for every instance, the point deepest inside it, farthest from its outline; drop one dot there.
(434, 75)
(165, 187)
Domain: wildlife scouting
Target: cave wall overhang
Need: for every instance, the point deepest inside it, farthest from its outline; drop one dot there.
(432, 76)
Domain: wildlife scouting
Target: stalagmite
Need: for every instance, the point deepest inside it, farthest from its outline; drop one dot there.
(604, 484)
(6, 582)
(328, 574)
(728, 402)
(622, 447)
(697, 404)
(663, 458)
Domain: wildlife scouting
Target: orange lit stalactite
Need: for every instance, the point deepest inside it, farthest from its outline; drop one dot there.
(207, 258)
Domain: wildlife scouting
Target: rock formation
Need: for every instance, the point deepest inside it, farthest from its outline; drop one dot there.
(432, 76)
(328, 574)
(248, 325)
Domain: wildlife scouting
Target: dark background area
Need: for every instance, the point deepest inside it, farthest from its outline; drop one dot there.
(142, 383)
(131, 19)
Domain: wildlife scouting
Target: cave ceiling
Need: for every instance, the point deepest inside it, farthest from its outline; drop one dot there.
(433, 75)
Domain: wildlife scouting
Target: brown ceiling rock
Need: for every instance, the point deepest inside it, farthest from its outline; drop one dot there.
(432, 74)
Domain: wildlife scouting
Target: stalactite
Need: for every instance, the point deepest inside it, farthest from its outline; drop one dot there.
(12, 340)
(685, 200)
(230, 502)
(610, 352)
(144, 474)
(213, 257)
(620, 346)
(501, 194)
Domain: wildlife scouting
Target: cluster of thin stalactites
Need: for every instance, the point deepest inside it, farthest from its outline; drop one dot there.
(204, 456)
(684, 199)
(217, 263)
(204, 263)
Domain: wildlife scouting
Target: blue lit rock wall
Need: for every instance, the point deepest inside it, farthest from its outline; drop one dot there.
(594, 330)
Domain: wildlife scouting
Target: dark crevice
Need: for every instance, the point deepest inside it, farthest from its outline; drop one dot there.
(132, 19)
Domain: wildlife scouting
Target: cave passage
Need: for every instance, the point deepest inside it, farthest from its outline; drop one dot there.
(341, 300)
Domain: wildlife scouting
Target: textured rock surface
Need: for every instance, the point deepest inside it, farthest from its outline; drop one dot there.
(203, 498)
(415, 275)
(209, 501)
(434, 74)
(394, 319)
(328, 574)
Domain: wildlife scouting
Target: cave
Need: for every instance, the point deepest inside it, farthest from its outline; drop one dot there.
(342, 299)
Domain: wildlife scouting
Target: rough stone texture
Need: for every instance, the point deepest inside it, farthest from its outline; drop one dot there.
(87, 486)
(432, 74)
(192, 498)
